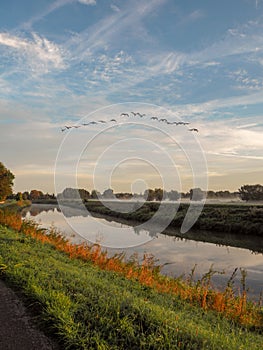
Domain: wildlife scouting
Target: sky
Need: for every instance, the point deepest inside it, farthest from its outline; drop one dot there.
(69, 62)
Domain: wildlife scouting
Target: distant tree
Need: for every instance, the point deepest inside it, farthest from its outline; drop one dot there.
(158, 194)
(251, 192)
(19, 196)
(108, 194)
(6, 182)
(95, 194)
(211, 194)
(25, 195)
(149, 195)
(123, 195)
(185, 195)
(223, 194)
(84, 194)
(173, 195)
(35, 194)
(196, 194)
(73, 193)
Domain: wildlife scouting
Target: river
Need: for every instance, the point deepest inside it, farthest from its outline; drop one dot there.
(177, 255)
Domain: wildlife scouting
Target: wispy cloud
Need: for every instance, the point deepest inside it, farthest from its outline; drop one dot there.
(51, 8)
(42, 14)
(41, 54)
(192, 17)
(111, 28)
(115, 8)
(87, 2)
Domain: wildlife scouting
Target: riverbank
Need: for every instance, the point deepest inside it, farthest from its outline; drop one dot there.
(74, 299)
(236, 219)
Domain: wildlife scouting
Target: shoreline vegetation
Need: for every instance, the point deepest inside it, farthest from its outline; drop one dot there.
(251, 242)
(74, 284)
(236, 219)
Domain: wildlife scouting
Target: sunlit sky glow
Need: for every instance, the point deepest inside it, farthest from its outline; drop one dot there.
(201, 61)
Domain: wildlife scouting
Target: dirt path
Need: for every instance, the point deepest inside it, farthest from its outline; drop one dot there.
(17, 328)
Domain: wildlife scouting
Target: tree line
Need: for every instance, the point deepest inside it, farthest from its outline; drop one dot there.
(245, 192)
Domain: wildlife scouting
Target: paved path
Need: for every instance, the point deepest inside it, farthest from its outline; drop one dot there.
(17, 329)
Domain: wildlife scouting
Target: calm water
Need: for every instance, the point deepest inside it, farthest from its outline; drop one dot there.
(178, 255)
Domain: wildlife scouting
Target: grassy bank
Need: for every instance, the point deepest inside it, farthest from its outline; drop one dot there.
(89, 308)
(235, 219)
(15, 206)
(92, 301)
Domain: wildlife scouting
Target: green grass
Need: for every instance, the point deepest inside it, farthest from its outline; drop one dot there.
(237, 219)
(88, 308)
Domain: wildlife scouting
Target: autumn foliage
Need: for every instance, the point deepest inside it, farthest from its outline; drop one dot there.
(237, 308)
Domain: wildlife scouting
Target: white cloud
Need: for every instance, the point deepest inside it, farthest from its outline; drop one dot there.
(115, 8)
(87, 2)
(41, 54)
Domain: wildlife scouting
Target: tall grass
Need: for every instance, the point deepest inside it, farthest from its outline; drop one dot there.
(236, 308)
(90, 308)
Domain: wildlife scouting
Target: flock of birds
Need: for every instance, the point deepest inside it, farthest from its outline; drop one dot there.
(132, 114)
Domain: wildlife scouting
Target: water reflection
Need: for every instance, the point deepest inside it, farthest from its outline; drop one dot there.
(80, 226)
(178, 255)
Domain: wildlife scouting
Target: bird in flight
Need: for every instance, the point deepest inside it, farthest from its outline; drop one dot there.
(141, 115)
(183, 123)
(113, 120)
(154, 118)
(134, 113)
(163, 120)
(124, 114)
(66, 127)
(102, 121)
(193, 129)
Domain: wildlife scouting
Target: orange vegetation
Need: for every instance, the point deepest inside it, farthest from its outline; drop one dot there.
(233, 307)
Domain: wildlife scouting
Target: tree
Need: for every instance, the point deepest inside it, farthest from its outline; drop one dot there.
(108, 194)
(95, 194)
(173, 195)
(251, 192)
(196, 194)
(84, 194)
(19, 196)
(158, 194)
(25, 195)
(6, 182)
(149, 195)
(35, 194)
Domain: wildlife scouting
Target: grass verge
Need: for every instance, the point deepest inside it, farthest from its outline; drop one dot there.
(92, 301)
(88, 308)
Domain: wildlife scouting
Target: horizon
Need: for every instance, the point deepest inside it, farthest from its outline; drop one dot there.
(133, 193)
(70, 62)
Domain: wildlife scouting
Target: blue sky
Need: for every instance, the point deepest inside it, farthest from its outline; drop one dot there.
(199, 61)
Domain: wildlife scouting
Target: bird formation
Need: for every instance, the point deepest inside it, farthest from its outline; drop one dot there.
(132, 114)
